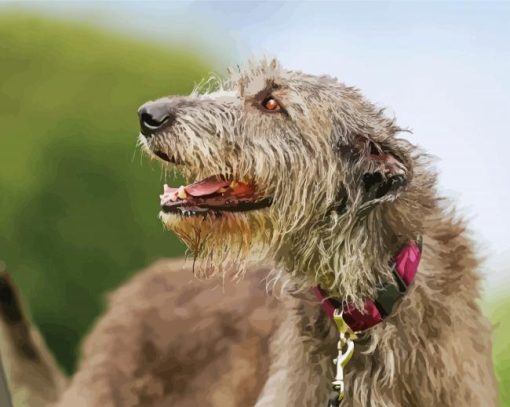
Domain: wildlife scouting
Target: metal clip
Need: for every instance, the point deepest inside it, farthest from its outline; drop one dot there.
(345, 348)
(345, 352)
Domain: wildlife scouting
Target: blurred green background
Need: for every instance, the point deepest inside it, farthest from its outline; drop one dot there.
(78, 203)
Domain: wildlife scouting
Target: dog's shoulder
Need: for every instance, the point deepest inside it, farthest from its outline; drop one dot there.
(164, 327)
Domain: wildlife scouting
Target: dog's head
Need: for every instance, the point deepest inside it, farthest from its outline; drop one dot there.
(278, 162)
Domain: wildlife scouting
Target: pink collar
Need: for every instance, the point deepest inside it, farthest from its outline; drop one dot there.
(404, 267)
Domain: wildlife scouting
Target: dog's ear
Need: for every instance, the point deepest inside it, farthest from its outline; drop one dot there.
(377, 171)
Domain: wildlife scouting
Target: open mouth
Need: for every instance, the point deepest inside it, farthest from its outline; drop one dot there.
(214, 194)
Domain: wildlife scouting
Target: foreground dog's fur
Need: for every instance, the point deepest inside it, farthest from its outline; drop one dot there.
(346, 192)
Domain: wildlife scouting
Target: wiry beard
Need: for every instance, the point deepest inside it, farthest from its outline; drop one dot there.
(222, 244)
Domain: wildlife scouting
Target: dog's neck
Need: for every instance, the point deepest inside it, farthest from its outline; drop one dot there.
(404, 266)
(357, 260)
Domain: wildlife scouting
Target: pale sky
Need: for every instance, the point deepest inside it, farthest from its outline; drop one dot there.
(440, 67)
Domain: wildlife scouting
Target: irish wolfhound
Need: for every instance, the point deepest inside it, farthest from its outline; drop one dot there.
(301, 170)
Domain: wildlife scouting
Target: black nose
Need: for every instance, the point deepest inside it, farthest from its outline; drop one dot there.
(154, 116)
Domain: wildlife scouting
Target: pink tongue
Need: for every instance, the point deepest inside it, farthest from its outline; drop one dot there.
(207, 186)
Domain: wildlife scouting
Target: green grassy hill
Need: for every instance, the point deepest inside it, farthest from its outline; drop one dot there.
(78, 209)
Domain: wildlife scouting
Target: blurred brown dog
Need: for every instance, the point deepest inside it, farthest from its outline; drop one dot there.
(304, 172)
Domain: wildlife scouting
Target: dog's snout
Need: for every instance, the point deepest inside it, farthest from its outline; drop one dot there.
(154, 116)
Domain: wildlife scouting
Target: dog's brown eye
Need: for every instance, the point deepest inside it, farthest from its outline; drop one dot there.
(270, 103)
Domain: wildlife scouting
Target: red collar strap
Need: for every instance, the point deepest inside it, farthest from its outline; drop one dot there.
(403, 266)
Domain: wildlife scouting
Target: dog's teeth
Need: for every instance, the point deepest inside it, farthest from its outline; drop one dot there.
(233, 184)
(181, 193)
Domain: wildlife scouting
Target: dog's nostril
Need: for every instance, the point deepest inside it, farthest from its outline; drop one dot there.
(150, 121)
(154, 115)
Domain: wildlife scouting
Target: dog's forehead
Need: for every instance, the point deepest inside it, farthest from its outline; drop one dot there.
(257, 77)
(267, 76)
